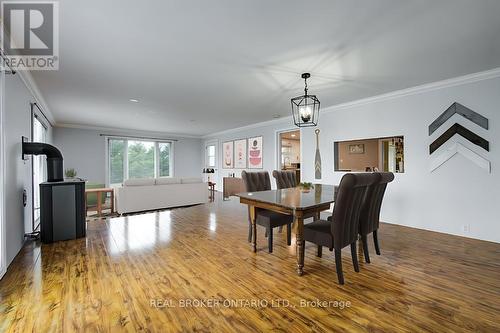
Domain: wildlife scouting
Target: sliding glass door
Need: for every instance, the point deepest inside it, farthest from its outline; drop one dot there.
(3, 259)
(39, 173)
(136, 158)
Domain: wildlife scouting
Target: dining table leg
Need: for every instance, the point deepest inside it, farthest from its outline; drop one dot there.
(254, 227)
(300, 243)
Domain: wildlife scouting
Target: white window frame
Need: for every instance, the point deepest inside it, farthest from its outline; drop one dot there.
(125, 157)
(207, 157)
(3, 240)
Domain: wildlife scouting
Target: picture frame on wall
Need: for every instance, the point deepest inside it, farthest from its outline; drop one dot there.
(240, 154)
(255, 153)
(357, 149)
(228, 155)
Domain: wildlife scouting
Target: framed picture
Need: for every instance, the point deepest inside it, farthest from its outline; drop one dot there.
(240, 154)
(255, 159)
(357, 148)
(228, 155)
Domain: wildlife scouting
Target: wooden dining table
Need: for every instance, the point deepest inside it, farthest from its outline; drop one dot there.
(291, 201)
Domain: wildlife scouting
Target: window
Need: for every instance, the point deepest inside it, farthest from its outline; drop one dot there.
(211, 156)
(377, 154)
(116, 161)
(135, 158)
(141, 159)
(164, 158)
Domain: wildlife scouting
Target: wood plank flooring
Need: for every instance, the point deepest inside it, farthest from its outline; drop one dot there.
(134, 273)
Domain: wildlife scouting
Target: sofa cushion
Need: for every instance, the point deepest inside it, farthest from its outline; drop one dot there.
(193, 180)
(167, 181)
(139, 182)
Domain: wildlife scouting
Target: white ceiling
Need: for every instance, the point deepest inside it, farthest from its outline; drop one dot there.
(199, 67)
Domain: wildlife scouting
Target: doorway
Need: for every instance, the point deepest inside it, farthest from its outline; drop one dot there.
(289, 151)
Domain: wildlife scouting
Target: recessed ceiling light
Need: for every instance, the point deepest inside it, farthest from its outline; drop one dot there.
(133, 100)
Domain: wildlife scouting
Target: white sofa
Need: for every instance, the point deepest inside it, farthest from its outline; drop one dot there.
(137, 195)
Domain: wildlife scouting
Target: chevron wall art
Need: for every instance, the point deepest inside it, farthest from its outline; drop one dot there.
(461, 110)
(458, 148)
(452, 135)
(459, 129)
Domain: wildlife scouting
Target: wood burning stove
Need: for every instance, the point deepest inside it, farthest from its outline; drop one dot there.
(62, 202)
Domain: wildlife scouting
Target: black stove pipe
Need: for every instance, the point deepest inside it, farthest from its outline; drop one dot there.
(54, 159)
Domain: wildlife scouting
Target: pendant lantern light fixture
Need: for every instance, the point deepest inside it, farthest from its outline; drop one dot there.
(305, 108)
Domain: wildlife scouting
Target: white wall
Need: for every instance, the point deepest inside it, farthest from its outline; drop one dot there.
(457, 194)
(269, 131)
(17, 123)
(85, 151)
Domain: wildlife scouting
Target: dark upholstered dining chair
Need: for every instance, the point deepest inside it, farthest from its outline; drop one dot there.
(343, 230)
(260, 181)
(370, 212)
(285, 179)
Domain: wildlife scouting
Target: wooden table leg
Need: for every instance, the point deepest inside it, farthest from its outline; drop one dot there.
(300, 243)
(99, 204)
(254, 227)
(112, 201)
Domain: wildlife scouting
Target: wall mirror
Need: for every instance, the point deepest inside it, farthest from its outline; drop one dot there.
(366, 155)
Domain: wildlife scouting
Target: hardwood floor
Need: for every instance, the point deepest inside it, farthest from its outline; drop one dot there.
(121, 277)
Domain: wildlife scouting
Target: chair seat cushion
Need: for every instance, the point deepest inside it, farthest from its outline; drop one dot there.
(319, 232)
(272, 219)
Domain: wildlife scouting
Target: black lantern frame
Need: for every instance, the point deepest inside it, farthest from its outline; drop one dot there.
(305, 108)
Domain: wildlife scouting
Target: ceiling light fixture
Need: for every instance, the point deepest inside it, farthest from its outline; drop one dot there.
(305, 108)
(133, 100)
(293, 135)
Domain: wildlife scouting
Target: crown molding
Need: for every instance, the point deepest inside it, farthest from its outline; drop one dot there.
(271, 122)
(32, 87)
(128, 131)
(456, 81)
(460, 80)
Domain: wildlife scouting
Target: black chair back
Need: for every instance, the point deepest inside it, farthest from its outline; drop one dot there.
(256, 181)
(285, 179)
(348, 204)
(370, 212)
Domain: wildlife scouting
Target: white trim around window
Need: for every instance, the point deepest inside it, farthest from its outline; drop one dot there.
(156, 142)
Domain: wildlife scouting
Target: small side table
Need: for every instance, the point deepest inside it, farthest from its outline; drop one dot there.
(211, 189)
(99, 192)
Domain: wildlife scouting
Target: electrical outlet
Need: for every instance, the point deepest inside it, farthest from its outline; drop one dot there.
(467, 228)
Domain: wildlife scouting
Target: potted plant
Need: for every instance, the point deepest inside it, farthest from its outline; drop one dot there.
(70, 173)
(306, 187)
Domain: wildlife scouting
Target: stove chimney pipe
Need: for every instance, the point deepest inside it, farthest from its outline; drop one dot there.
(54, 158)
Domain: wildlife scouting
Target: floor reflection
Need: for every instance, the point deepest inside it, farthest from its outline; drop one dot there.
(213, 222)
(139, 232)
